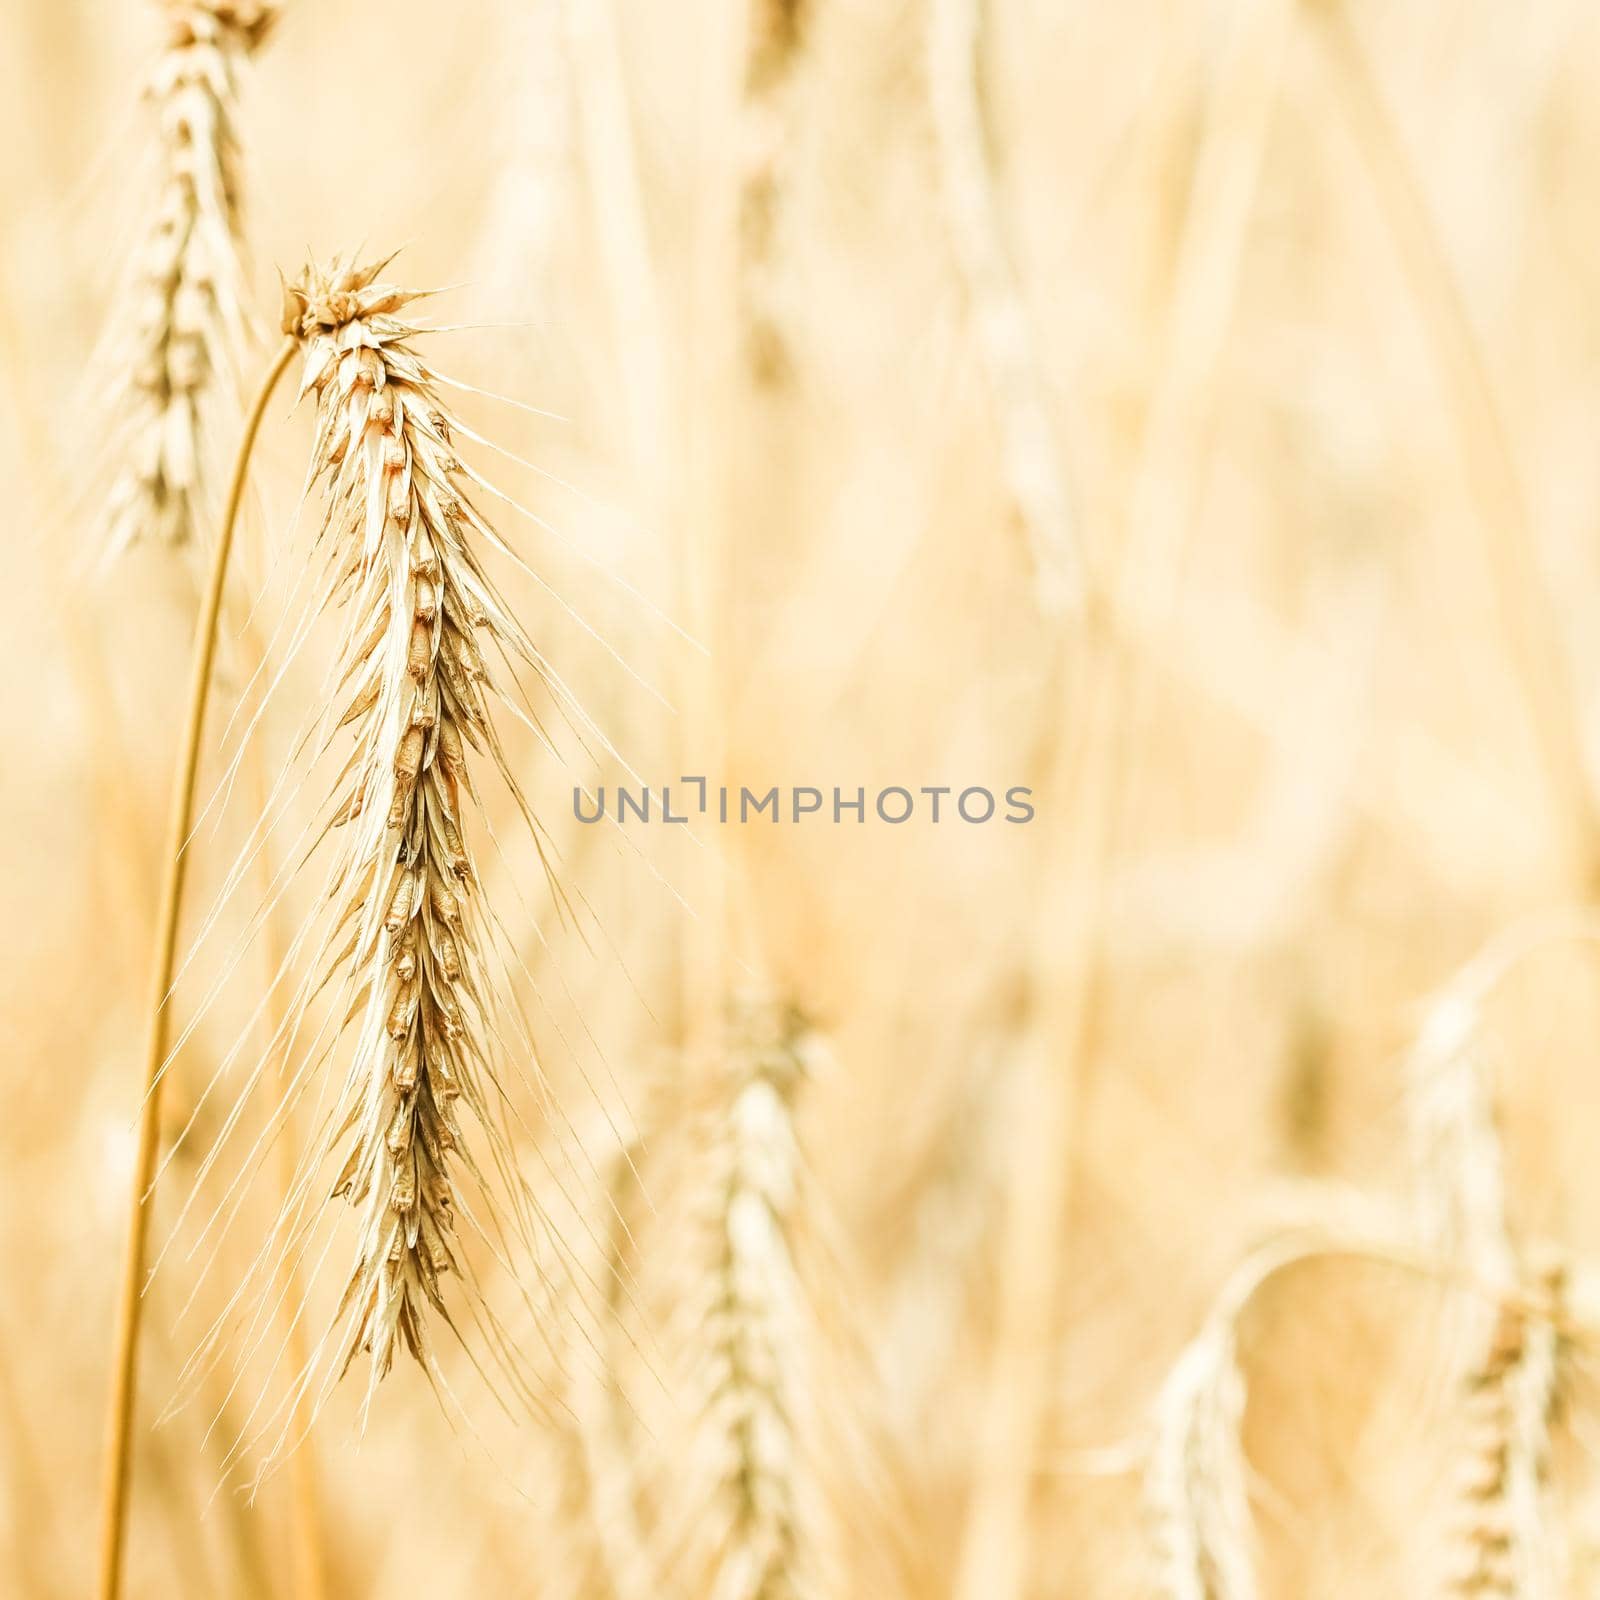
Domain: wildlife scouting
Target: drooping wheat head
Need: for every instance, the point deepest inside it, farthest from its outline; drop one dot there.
(177, 354)
(402, 540)
(1197, 1480)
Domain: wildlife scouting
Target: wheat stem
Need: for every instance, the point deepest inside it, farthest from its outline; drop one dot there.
(1099, 688)
(622, 235)
(1035, 478)
(1529, 627)
(114, 1501)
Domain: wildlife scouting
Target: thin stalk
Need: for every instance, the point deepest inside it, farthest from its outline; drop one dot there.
(119, 1420)
(308, 1563)
(1099, 702)
(1529, 623)
(1035, 477)
(705, 491)
(622, 236)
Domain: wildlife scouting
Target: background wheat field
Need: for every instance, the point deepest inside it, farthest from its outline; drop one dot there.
(1184, 411)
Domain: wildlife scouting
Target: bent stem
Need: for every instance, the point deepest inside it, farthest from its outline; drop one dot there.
(119, 1420)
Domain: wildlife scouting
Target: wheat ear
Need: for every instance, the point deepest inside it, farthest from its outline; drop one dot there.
(180, 356)
(114, 1501)
(1197, 1479)
(743, 1520)
(401, 539)
(1196, 1485)
(1504, 1543)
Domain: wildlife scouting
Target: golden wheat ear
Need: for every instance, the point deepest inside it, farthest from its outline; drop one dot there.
(176, 337)
(398, 1018)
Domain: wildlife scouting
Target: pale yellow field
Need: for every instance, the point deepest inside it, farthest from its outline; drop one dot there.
(1187, 413)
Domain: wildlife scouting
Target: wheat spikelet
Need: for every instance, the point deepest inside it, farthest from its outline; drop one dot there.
(178, 360)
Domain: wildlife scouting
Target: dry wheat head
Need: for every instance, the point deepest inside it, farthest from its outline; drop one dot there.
(399, 534)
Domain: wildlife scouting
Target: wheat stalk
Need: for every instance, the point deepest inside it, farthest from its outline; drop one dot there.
(597, 1398)
(1456, 1154)
(130, 1304)
(1100, 687)
(1529, 623)
(1030, 459)
(622, 238)
(178, 356)
(1196, 1484)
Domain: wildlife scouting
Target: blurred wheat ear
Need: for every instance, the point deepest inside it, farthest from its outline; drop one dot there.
(177, 337)
(740, 1523)
(1197, 1479)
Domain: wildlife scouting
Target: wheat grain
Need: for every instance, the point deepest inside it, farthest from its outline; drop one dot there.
(178, 355)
